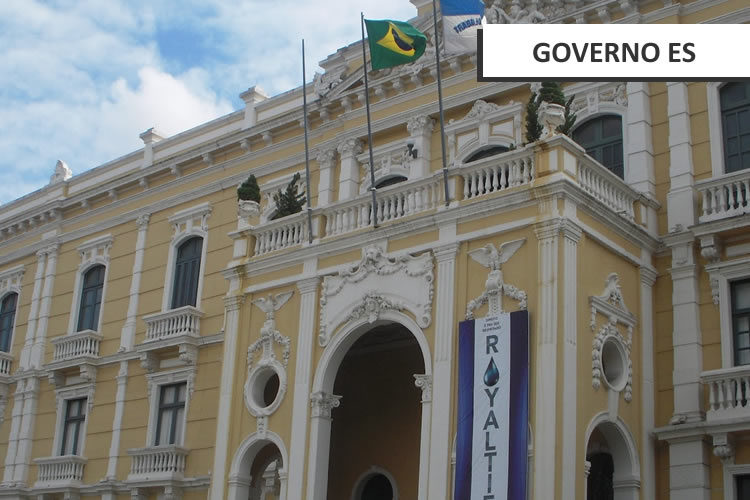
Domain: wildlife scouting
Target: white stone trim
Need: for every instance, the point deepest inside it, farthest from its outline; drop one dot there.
(730, 470)
(10, 282)
(373, 471)
(93, 252)
(484, 126)
(62, 396)
(239, 472)
(127, 335)
(715, 127)
(720, 275)
(154, 383)
(627, 483)
(114, 448)
(186, 224)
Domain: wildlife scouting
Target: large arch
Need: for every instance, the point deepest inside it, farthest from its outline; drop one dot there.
(621, 445)
(322, 389)
(239, 477)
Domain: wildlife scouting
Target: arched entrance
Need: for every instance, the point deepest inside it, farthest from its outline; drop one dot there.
(367, 413)
(612, 468)
(259, 469)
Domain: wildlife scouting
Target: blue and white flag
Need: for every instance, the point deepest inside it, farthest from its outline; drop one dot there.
(461, 20)
(493, 407)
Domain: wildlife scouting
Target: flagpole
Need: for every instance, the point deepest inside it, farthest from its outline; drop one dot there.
(440, 103)
(307, 150)
(373, 189)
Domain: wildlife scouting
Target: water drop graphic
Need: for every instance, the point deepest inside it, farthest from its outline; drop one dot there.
(491, 375)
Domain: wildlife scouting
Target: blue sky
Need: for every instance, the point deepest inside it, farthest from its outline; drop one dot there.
(81, 79)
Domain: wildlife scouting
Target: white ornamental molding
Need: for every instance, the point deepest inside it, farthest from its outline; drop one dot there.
(260, 374)
(323, 403)
(11, 279)
(377, 283)
(611, 352)
(495, 287)
(95, 251)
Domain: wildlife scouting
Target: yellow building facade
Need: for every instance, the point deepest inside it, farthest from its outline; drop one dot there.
(160, 339)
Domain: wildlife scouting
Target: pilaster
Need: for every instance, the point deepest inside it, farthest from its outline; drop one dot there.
(424, 383)
(321, 404)
(640, 147)
(127, 336)
(114, 447)
(440, 441)
(25, 438)
(349, 175)
(420, 132)
(648, 460)
(327, 164)
(305, 342)
(547, 234)
(28, 345)
(689, 469)
(37, 350)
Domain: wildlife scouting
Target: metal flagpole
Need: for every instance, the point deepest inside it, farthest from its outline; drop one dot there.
(440, 103)
(307, 151)
(369, 127)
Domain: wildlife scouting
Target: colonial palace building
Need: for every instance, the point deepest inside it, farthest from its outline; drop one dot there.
(160, 339)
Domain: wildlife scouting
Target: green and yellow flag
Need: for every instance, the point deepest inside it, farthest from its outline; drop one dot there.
(393, 43)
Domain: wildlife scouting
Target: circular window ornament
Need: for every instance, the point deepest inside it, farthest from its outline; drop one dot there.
(614, 364)
(265, 388)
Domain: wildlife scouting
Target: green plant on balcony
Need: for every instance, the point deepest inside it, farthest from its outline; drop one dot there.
(289, 201)
(249, 190)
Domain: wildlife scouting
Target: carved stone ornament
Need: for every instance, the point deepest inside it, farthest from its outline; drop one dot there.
(248, 208)
(62, 173)
(723, 447)
(551, 116)
(518, 12)
(268, 333)
(378, 282)
(322, 403)
(611, 304)
(323, 83)
(495, 287)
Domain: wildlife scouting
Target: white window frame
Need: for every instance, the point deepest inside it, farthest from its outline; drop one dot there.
(93, 252)
(10, 282)
(155, 383)
(186, 224)
(720, 275)
(62, 396)
(730, 484)
(595, 107)
(716, 128)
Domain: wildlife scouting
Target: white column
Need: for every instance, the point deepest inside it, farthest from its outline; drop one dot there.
(640, 148)
(232, 303)
(545, 414)
(420, 132)
(441, 439)
(114, 447)
(15, 427)
(680, 199)
(571, 236)
(648, 462)
(349, 175)
(308, 289)
(327, 163)
(320, 444)
(424, 382)
(689, 469)
(37, 350)
(23, 454)
(127, 337)
(41, 257)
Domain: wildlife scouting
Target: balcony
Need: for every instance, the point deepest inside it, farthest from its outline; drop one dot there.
(727, 393)
(183, 321)
(157, 463)
(62, 471)
(84, 344)
(6, 360)
(556, 160)
(724, 197)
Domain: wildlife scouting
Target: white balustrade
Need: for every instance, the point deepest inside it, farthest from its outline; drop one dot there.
(724, 197)
(607, 188)
(498, 173)
(278, 235)
(392, 203)
(80, 344)
(65, 469)
(157, 462)
(728, 392)
(6, 360)
(181, 321)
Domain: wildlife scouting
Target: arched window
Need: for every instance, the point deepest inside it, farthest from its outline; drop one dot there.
(91, 298)
(390, 181)
(377, 487)
(735, 120)
(602, 139)
(486, 153)
(186, 273)
(7, 316)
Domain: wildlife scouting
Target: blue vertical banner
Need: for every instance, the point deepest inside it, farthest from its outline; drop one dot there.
(461, 20)
(493, 408)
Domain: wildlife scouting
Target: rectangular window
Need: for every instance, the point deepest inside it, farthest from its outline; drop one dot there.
(743, 487)
(171, 415)
(740, 292)
(75, 417)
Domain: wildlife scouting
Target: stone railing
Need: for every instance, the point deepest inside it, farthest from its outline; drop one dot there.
(491, 175)
(66, 469)
(393, 203)
(6, 360)
(728, 392)
(281, 234)
(606, 187)
(79, 345)
(181, 321)
(726, 196)
(157, 462)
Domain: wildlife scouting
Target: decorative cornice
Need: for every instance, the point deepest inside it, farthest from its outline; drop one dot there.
(142, 221)
(349, 147)
(420, 125)
(308, 285)
(447, 252)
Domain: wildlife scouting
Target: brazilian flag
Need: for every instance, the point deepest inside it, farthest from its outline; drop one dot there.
(393, 43)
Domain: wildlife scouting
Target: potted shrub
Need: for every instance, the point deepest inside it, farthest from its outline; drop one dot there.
(248, 197)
